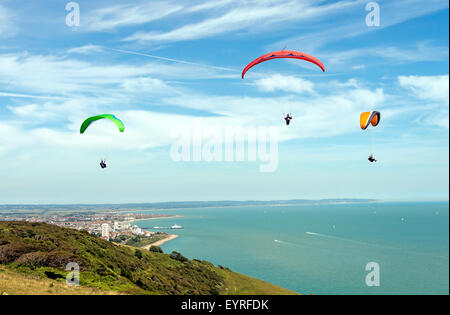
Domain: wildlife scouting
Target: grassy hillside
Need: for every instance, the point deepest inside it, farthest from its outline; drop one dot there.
(14, 283)
(40, 252)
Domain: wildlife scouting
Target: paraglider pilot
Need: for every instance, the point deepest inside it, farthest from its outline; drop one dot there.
(288, 119)
(103, 164)
(372, 159)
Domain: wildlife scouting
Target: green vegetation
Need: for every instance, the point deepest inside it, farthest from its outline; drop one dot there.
(178, 256)
(43, 251)
(156, 249)
(120, 239)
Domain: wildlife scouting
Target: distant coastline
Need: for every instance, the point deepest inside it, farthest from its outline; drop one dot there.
(158, 206)
(267, 204)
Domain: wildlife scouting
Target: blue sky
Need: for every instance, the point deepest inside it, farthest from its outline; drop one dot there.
(167, 67)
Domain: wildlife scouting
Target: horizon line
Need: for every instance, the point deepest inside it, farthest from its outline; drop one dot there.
(367, 200)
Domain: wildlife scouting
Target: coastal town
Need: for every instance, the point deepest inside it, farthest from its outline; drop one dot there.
(107, 225)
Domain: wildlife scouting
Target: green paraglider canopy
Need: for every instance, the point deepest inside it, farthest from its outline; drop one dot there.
(113, 118)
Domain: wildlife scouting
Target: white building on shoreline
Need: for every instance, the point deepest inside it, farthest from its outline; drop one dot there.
(106, 230)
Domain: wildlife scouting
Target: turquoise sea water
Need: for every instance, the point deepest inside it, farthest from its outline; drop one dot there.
(322, 249)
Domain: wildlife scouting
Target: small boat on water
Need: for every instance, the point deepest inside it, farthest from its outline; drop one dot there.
(176, 227)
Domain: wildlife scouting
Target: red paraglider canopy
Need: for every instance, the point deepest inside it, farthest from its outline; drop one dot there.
(284, 54)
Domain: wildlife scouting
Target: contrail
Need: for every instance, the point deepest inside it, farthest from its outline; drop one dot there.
(170, 59)
(200, 64)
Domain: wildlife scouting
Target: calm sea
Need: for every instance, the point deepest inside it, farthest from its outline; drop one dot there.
(322, 249)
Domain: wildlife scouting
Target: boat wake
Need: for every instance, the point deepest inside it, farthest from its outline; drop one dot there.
(349, 240)
(286, 243)
(336, 238)
(317, 234)
(281, 242)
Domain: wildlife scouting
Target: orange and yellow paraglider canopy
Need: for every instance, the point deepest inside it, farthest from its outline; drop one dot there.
(368, 118)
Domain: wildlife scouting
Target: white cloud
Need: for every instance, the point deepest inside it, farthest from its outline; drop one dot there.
(285, 83)
(145, 129)
(51, 75)
(48, 96)
(147, 85)
(358, 67)
(54, 111)
(88, 49)
(110, 18)
(434, 90)
(350, 83)
(421, 51)
(210, 5)
(440, 120)
(352, 23)
(319, 34)
(313, 115)
(246, 15)
(62, 76)
(31, 110)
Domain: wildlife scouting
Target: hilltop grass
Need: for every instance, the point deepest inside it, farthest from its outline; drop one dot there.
(41, 251)
(15, 283)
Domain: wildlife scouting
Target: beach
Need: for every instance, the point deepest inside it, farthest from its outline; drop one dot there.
(161, 242)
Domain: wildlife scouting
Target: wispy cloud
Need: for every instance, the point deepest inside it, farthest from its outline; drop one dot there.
(64, 76)
(430, 89)
(418, 52)
(152, 85)
(312, 114)
(147, 129)
(52, 74)
(87, 49)
(110, 18)
(325, 32)
(210, 5)
(52, 77)
(322, 37)
(245, 16)
(434, 88)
